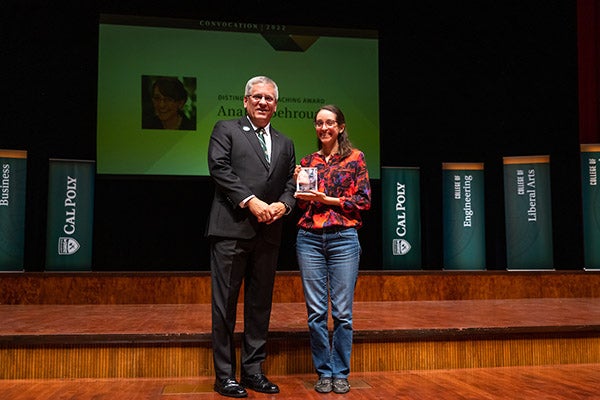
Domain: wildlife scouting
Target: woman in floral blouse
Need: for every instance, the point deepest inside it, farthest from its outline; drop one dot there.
(327, 245)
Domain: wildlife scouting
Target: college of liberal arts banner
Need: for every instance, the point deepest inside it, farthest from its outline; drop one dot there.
(401, 217)
(528, 213)
(12, 209)
(590, 194)
(70, 215)
(464, 216)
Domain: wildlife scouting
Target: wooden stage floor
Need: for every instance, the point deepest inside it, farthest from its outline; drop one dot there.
(36, 324)
(558, 382)
(405, 320)
(422, 335)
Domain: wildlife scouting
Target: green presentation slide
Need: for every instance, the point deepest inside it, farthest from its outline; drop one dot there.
(213, 60)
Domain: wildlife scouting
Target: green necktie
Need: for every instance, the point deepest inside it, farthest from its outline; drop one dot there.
(261, 138)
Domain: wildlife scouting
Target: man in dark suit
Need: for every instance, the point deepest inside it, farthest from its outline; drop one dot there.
(254, 189)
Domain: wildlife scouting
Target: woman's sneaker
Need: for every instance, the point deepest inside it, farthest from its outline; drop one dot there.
(341, 385)
(324, 385)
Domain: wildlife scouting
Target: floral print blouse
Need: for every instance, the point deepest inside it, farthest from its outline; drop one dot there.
(347, 179)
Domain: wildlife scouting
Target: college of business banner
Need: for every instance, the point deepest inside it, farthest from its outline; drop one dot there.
(70, 215)
(528, 213)
(590, 193)
(12, 209)
(401, 217)
(464, 216)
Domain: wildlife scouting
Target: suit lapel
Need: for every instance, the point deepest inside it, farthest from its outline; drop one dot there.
(249, 133)
(275, 145)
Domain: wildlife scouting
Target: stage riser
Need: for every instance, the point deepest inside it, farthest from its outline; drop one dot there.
(290, 357)
(189, 288)
(148, 358)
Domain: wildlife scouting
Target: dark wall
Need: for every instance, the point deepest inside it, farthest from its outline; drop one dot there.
(468, 82)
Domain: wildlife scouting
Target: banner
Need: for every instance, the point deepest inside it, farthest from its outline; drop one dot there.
(528, 213)
(464, 216)
(401, 217)
(70, 215)
(12, 209)
(590, 194)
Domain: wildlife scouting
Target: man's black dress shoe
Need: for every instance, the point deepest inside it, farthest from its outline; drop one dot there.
(259, 383)
(230, 387)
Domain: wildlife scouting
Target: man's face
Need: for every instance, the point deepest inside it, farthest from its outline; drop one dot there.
(261, 104)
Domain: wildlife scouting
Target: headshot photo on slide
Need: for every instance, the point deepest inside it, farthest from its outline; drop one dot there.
(168, 102)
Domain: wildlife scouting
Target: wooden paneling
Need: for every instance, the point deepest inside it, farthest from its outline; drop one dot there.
(192, 288)
(290, 357)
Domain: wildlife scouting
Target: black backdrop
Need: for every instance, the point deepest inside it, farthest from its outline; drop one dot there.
(468, 82)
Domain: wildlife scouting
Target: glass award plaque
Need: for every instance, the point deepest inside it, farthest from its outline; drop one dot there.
(307, 179)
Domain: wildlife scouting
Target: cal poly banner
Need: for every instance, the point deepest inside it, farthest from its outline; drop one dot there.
(12, 209)
(70, 215)
(528, 213)
(464, 216)
(401, 217)
(590, 193)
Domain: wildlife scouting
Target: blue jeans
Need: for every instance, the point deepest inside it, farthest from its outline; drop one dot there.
(328, 264)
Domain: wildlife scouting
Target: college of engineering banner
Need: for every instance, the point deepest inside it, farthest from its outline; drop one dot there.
(590, 193)
(401, 217)
(12, 209)
(70, 215)
(464, 216)
(528, 213)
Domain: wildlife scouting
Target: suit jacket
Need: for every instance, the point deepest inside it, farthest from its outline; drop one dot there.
(238, 167)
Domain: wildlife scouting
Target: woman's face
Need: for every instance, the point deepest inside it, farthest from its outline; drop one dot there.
(327, 128)
(166, 108)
